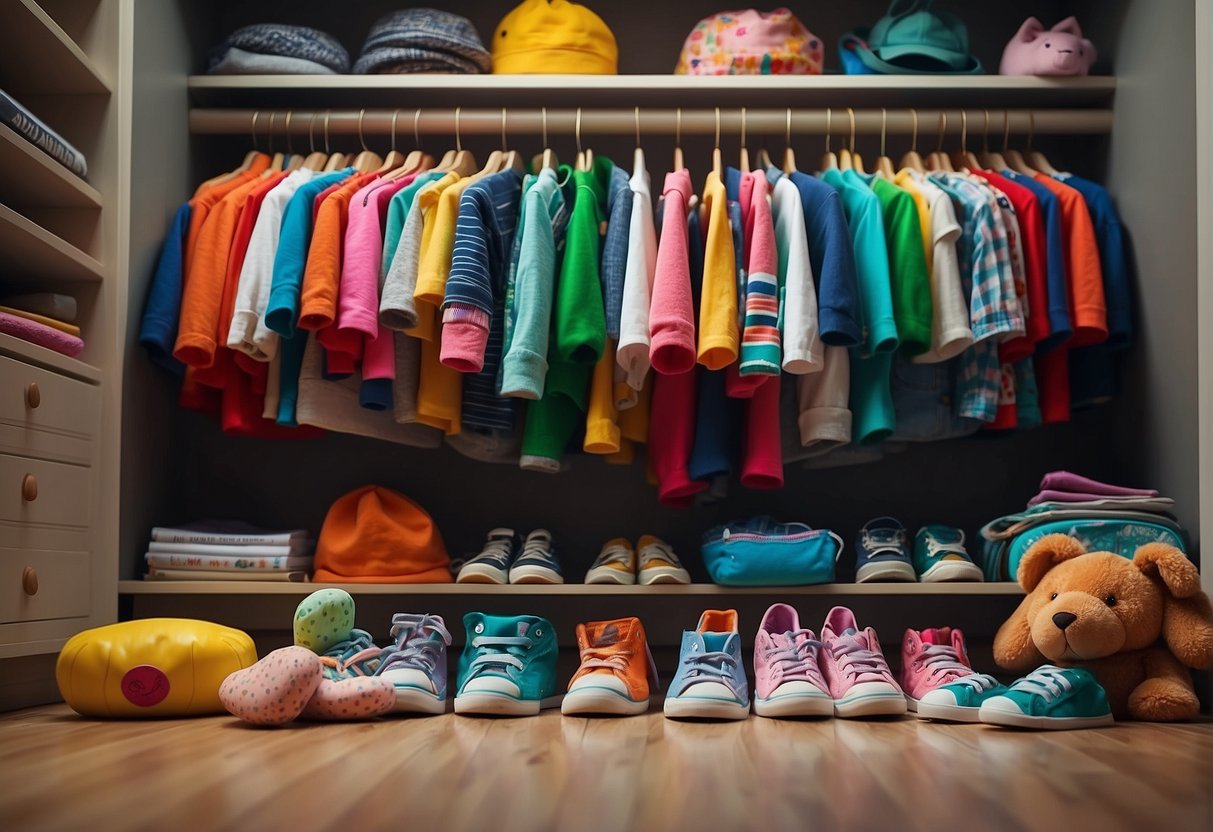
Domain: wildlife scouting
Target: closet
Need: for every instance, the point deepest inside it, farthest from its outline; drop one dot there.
(1132, 126)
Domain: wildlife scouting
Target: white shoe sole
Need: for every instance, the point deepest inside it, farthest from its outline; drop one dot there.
(481, 573)
(607, 575)
(415, 701)
(600, 701)
(688, 708)
(872, 704)
(795, 704)
(664, 575)
(495, 704)
(1046, 723)
(889, 571)
(952, 570)
(943, 713)
(535, 575)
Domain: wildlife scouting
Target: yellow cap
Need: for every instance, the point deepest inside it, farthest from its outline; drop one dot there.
(553, 36)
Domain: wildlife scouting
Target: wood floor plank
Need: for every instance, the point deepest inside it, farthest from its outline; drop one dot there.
(597, 775)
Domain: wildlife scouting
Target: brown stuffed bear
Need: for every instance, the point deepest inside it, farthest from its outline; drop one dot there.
(1105, 612)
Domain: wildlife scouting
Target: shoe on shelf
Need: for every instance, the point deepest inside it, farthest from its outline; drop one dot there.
(536, 563)
(416, 663)
(710, 682)
(882, 552)
(1052, 698)
(658, 563)
(615, 564)
(787, 679)
(492, 565)
(940, 555)
(508, 666)
(855, 669)
(961, 700)
(616, 670)
(930, 659)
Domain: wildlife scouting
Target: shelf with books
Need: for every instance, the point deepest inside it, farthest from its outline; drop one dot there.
(39, 58)
(34, 179)
(34, 255)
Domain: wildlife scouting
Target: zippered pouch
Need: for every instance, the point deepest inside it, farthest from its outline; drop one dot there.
(1119, 535)
(763, 552)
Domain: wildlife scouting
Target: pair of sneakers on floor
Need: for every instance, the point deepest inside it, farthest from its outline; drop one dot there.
(508, 559)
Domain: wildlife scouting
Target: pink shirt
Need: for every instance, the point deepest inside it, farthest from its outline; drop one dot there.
(370, 207)
(672, 311)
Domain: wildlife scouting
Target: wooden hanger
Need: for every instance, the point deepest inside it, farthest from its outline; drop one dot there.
(513, 159)
(678, 165)
(789, 155)
(964, 159)
(1015, 159)
(884, 165)
(992, 159)
(394, 159)
(336, 161)
(585, 158)
(638, 153)
(856, 159)
(717, 160)
(367, 161)
(464, 163)
(497, 157)
(314, 161)
(844, 153)
(828, 160)
(1035, 158)
(911, 159)
(938, 160)
(744, 156)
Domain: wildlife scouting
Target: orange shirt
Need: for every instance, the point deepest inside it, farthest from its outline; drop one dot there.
(1087, 306)
(206, 197)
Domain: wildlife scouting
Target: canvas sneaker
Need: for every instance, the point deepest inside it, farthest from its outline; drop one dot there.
(930, 659)
(615, 564)
(787, 679)
(537, 563)
(940, 555)
(492, 565)
(961, 700)
(710, 682)
(616, 670)
(353, 656)
(882, 552)
(1052, 698)
(855, 669)
(508, 665)
(416, 663)
(659, 564)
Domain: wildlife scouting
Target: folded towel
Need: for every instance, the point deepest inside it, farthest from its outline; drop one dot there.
(1074, 483)
(70, 329)
(43, 336)
(51, 304)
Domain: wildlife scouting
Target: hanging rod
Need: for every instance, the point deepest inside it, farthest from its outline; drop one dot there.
(654, 122)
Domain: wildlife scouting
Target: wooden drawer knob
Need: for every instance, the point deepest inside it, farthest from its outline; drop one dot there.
(33, 396)
(29, 580)
(29, 488)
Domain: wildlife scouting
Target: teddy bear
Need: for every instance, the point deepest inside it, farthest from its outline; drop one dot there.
(1035, 50)
(1105, 612)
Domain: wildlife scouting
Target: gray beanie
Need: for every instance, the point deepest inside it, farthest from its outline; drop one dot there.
(285, 41)
(423, 40)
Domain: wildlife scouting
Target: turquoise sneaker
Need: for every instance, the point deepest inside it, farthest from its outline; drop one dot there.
(508, 665)
(961, 700)
(1052, 698)
(940, 555)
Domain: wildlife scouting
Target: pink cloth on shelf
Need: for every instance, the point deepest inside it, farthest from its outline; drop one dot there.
(1077, 484)
(672, 309)
(40, 334)
(762, 466)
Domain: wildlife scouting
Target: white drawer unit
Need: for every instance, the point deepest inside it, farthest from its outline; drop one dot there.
(41, 585)
(46, 414)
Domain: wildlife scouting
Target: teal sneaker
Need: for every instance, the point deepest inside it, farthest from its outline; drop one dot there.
(959, 701)
(1052, 698)
(356, 655)
(508, 665)
(940, 555)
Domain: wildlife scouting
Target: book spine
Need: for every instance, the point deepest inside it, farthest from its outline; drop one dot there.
(41, 136)
(221, 550)
(163, 535)
(164, 560)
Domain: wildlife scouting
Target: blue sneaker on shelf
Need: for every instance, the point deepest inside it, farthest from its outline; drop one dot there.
(940, 555)
(882, 552)
(710, 682)
(537, 564)
(492, 565)
(416, 663)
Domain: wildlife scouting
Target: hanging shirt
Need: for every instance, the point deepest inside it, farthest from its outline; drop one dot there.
(760, 347)
(718, 337)
(158, 328)
(1087, 304)
(906, 180)
(833, 259)
(437, 250)
(207, 196)
(672, 314)
(800, 335)
(397, 307)
(615, 249)
(633, 350)
(1058, 282)
(580, 328)
(1113, 258)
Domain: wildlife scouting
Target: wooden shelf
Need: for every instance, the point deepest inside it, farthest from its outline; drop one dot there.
(986, 91)
(39, 58)
(301, 589)
(47, 358)
(34, 255)
(34, 179)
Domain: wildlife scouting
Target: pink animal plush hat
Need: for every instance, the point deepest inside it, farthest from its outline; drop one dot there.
(1035, 50)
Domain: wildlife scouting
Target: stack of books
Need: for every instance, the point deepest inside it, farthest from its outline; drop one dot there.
(228, 551)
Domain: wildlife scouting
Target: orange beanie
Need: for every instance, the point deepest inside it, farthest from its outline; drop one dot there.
(375, 536)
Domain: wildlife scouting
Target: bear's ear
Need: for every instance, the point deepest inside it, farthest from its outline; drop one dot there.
(1043, 555)
(1171, 566)
(1069, 26)
(1029, 30)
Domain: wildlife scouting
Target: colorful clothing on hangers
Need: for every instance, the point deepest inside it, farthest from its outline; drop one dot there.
(672, 313)
(717, 318)
(632, 352)
(832, 256)
(800, 336)
(760, 353)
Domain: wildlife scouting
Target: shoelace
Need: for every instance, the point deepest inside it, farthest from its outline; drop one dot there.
(615, 661)
(796, 659)
(351, 654)
(613, 554)
(716, 666)
(882, 538)
(415, 647)
(980, 682)
(538, 545)
(1048, 682)
(658, 551)
(495, 652)
(941, 659)
(857, 660)
(496, 549)
(935, 546)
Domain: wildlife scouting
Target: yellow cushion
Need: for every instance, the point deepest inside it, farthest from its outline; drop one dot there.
(155, 667)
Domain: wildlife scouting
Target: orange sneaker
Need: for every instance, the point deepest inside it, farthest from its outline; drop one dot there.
(616, 670)
(658, 563)
(615, 564)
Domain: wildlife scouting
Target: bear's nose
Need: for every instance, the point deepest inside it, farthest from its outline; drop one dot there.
(1064, 619)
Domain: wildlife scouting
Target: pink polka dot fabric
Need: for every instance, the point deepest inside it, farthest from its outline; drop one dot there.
(363, 697)
(275, 690)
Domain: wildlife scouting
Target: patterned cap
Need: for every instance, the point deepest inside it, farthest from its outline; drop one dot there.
(427, 36)
(287, 41)
(751, 42)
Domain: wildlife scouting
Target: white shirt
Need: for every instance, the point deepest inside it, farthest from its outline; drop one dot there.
(950, 332)
(632, 353)
(801, 331)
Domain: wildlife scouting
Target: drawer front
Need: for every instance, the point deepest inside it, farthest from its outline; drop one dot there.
(39, 585)
(45, 495)
(45, 414)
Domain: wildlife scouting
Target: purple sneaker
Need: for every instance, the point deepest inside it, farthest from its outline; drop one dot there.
(787, 680)
(858, 676)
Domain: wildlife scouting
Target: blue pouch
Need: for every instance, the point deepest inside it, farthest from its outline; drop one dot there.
(763, 552)
(1114, 534)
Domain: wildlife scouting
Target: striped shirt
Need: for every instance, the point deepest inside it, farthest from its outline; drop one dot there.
(760, 347)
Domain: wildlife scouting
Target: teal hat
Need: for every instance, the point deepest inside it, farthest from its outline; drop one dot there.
(913, 40)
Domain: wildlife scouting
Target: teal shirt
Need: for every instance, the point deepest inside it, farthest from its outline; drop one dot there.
(397, 213)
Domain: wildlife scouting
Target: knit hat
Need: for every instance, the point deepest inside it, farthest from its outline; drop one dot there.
(553, 36)
(910, 40)
(750, 42)
(375, 536)
(313, 50)
(422, 40)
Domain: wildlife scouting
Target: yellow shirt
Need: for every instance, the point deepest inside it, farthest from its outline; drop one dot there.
(602, 419)
(905, 181)
(429, 201)
(718, 336)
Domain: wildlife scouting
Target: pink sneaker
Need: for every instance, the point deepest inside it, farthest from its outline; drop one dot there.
(858, 676)
(787, 680)
(931, 659)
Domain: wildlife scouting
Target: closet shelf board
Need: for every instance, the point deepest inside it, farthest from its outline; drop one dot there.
(31, 253)
(48, 359)
(38, 58)
(482, 590)
(987, 91)
(34, 179)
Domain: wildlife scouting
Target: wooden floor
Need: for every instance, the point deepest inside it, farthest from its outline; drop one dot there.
(61, 772)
